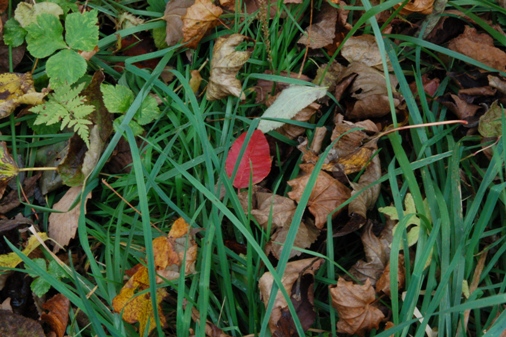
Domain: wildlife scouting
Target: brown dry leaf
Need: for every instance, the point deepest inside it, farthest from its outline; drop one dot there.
(225, 64)
(302, 294)
(417, 6)
(11, 200)
(293, 131)
(457, 105)
(327, 194)
(211, 329)
(13, 325)
(4, 4)
(252, 6)
(57, 315)
(383, 283)
(356, 307)
(63, 226)
(16, 89)
(266, 89)
(498, 83)
(377, 254)
(327, 75)
(322, 32)
(306, 235)
(138, 308)
(8, 168)
(174, 11)
(364, 49)
(271, 206)
(228, 4)
(479, 47)
(368, 91)
(198, 20)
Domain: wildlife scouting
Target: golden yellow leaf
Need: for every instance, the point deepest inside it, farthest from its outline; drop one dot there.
(198, 20)
(16, 89)
(11, 260)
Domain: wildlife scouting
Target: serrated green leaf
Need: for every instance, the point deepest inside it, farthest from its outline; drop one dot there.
(41, 263)
(117, 99)
(65, 68)
(27, 14)
(81, 30)
(40, 286)
(44, 36)
(291, 100)
(148, 112)
(136, 128)
(14, 34)
(49, 113)
(490, 124)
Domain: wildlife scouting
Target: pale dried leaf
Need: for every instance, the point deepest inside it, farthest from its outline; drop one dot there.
(306, 235)
(198, 20)
(364, 49)
(278, 209)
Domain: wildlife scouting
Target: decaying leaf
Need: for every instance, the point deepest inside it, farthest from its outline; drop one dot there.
(327, 194)
(169, 252)
(383, 283)
(301, 295)
(174, 11)
(225, 64)
(8, 167)
(306, 235)
(377, 254)
(198, 20)
(322, 32)
(356, 307)
(491, 122)
(16, 89)
(460, 107)
(479, 47)
(277, 209)
(12, 324)
(364, 49)
(11, 200)
(255, 162)
(266, 89)
(293, 131)
(417, 6)
(11, 260)
(368, 92)
(57, 315)
(63, 226)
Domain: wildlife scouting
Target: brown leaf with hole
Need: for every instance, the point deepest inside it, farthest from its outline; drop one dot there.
(225, 64)
(417, 6)
(383, 283)
(368, 91)
(479, 47)
(377, 254)
(57, 315)
(63, 226)
(306, 235)
(356, 307)
(327, 194)
(364, 49)
(322, 32)
(301, 295)
(198, 20)
(174, 11)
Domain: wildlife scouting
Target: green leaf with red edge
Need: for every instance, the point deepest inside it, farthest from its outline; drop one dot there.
(256, 157)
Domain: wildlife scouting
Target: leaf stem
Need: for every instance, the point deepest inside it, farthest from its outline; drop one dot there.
(27, 169)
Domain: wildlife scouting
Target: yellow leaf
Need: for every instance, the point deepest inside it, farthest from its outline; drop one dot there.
(11, 260)
(16, 89)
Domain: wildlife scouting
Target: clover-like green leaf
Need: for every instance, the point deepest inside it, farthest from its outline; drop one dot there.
(148, 112)
(14, 34)
(81, 30)
(44, 36)
(65, 68)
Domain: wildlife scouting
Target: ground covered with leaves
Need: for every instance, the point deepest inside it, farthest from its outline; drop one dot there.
(252, 168)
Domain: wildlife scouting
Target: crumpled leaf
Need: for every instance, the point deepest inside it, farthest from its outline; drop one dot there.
(12, 325)
(266, 89)
(306, 236)
(491, 122)
(327, 194)
(459, 106)
(225, 64)
(383, 283)
(479, 47)
(364, 49)
(174, 11)
(63, 226)
(169, 253)
(288, 104)
(368, 91)
(293, 131)
(301, 295)
(198, 20)
(57, 315)
(16, 89)
(11, 260)
(377, 254)
(322, 32)
(255, 161)
(417, 6)
(356, 307)
(276, 208)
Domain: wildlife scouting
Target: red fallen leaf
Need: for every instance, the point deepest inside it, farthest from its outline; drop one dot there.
(256, 157)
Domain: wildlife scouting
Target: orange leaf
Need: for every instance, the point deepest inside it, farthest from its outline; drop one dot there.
(198, 20)
(58, 314)
(417, 6)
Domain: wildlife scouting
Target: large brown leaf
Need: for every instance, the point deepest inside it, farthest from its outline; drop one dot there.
(225, 64)
(323, 29)
(301, 289)
(198, 20)
(327, 194)
(278, 209)
(174, 11)
(356, 307)
(363, 49)
(306, 235)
